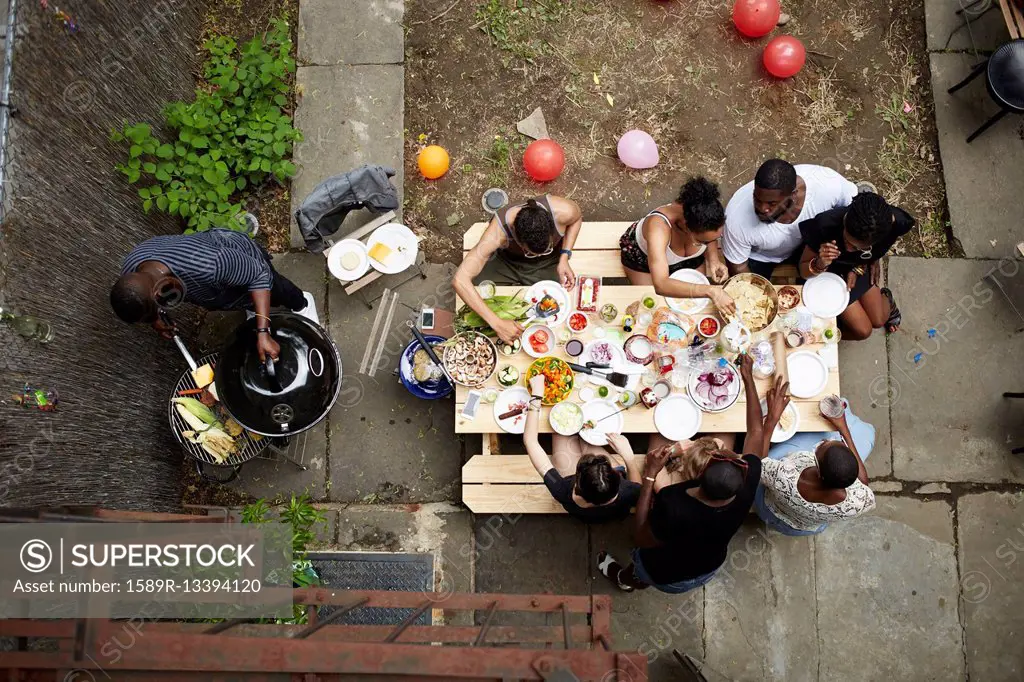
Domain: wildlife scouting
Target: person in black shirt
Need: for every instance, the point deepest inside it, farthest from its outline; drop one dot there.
(850, 242)
(596, 492)
(683, 532)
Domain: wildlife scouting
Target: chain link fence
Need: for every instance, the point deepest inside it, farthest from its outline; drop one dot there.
(76, 73)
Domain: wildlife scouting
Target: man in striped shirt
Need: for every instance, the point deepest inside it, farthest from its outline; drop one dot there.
(217, 270)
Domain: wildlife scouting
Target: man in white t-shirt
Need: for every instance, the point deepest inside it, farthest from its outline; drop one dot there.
(762, 220)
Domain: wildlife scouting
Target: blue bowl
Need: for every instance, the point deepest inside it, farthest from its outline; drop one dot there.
(428, 390)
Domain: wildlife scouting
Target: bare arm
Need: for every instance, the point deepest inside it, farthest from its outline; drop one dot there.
(643, 535)
(471, 267)
(737, 268)
(658, 238)
(844, 430)
(538, 458)
(808, 256)
(624, 451)
(755, 439)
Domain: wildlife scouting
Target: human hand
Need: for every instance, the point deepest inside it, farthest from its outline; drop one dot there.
(875, 270)
(266, 346)
(718, 271)
(165, 329)
(778, 400)
(565, 274)
(508, 330)
(537, 385)
(722, 301)
(656, 460)
(618, 443)
(827, 253)
(851, 280)
(746, 365)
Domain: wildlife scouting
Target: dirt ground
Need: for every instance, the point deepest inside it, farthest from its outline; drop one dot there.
(679, 70)
(243, 19)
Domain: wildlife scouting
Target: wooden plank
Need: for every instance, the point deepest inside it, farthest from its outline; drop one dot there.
(593, 235)
(365, 230)
(639, 419)
(1012, 17)
(510, 499)
(509, 469)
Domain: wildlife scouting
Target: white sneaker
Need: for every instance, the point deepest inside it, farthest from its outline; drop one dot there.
(309, 312)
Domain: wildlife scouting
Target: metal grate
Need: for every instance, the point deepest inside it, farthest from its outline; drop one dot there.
(375, 571)
(248, 448)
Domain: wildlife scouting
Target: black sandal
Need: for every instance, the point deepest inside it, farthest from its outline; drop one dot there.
(892, 325)
(604, 564)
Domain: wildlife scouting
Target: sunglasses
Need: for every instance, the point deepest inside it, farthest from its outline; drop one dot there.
(530, 254)
(719, 457)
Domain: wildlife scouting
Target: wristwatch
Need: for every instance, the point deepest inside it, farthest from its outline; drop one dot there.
(567, 253)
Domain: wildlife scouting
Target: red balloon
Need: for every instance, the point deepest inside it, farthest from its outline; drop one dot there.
(756, 18)
(543, 160)
(784, 56)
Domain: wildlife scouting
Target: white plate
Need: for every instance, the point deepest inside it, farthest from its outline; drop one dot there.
(557, 292)
(677, 417)
(402, 242)
(808, 374)
(778, 435)
(826, 295)
(735, 388)
(503, 405)
(566, 407)
(618, 355)
(688, 305)
(595, 410)
(552, 341)
(340, 249)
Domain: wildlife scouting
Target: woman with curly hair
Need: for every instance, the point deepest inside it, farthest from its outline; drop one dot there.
(682, 234)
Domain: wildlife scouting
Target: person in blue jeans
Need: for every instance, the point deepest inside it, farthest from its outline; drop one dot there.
(683, 531)
(814, 479)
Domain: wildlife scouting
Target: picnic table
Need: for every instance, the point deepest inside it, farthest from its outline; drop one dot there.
(506, 483)
(639, 419)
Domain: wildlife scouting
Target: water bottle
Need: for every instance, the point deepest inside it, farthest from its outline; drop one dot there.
(27, 326)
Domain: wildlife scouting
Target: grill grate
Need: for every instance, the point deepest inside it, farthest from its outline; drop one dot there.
(248, 448)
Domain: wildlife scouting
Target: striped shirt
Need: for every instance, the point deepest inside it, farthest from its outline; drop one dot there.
(217, 268)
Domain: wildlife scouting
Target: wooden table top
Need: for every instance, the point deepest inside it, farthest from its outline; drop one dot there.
(638, 419)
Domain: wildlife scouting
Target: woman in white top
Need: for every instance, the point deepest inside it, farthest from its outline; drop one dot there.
(683, 234)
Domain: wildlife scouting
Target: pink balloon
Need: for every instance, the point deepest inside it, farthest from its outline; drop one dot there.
(637, 149)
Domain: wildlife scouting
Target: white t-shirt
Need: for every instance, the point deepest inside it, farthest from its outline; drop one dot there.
(747, 238)
(781, 496)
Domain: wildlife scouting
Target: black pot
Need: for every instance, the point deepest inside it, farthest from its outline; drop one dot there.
(285, 397)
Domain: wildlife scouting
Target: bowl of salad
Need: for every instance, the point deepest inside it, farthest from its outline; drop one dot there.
(558, 378)
(566, 418)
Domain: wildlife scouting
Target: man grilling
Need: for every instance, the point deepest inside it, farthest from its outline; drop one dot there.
(217, 270)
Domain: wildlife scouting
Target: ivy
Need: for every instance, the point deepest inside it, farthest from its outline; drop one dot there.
(234, 137)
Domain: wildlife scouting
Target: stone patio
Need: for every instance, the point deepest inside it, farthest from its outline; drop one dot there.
(925, 588)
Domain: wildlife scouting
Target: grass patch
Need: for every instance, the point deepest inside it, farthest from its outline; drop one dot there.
(514, 25)
(825, 112)
(932, 233)
(904, 154)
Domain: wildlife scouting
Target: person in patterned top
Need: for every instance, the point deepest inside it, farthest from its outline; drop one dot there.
(814, 479)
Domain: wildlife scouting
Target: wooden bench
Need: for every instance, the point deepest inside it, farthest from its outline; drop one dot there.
(596, 251)
(509, 485)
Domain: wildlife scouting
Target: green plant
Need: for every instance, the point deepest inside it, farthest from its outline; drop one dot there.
(232, 138)
(499, 155)
(513, 25)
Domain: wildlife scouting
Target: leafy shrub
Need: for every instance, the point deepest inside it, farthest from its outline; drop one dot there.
(233, 137)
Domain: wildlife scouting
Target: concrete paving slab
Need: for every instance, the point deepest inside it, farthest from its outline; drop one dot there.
(522, 554)
(761, 609)
(647, 621)
(991, 552)
(949, 420)
(351, 32)
(864, 368)
(948, 30)
(386, 445)
(349, 116)
(982, 178)
(887, 584)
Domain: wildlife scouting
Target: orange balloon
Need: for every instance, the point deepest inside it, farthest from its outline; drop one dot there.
(433, 162)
